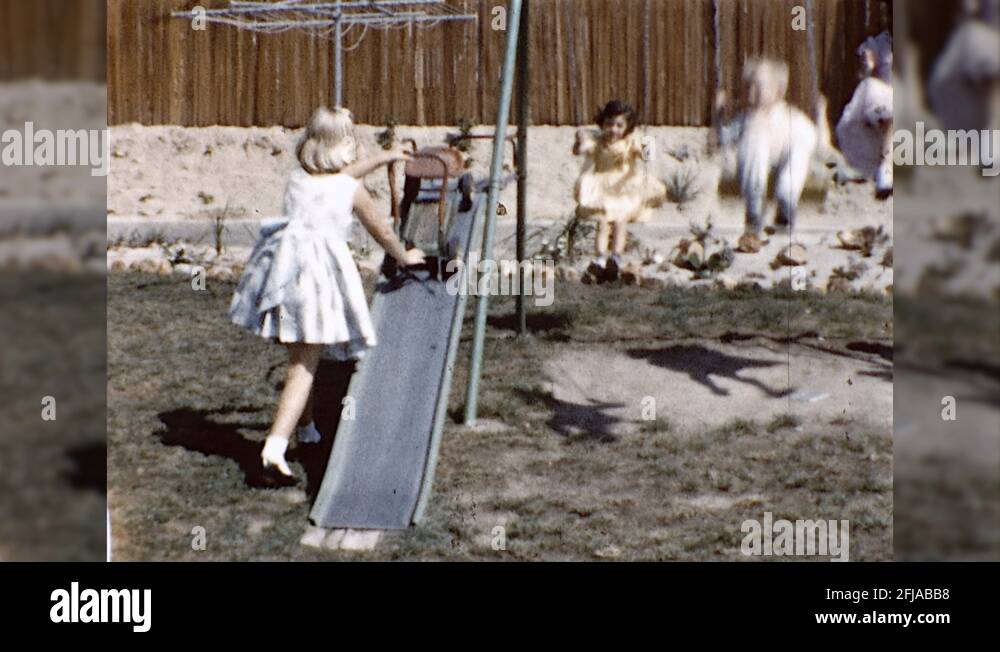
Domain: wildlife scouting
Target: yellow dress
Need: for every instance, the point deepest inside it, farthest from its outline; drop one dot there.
(614, 184)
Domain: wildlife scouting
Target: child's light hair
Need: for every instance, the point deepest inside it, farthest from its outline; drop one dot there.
(766, 82)
(876, 57)
(328, 144)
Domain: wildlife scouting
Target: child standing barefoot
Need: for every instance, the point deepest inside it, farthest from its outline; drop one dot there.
(301, 286)
(613, 187)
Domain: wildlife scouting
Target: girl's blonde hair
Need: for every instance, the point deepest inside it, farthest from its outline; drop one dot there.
(329, 144)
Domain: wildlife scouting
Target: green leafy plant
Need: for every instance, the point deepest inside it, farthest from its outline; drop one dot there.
(387, 138)
(461, 142)
(569, 242)
(682, 187)
(220, 218)
(704, 254)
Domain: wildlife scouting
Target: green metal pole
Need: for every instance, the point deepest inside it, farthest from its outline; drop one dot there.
(338, 60)
(523, 118)
(492, 199)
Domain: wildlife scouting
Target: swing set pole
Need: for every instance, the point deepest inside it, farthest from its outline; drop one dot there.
(338, 61)
(523, 118)
(492, 200)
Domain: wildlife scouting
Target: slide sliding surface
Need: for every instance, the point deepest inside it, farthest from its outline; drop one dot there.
(382, 462)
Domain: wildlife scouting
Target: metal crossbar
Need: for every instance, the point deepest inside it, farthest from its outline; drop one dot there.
(332, 20)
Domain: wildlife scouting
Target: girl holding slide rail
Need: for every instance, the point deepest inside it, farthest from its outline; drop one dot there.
(301, 286)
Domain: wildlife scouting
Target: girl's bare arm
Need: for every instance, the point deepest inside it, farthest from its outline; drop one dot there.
(584, 142)
(362, 168)
(364, 207)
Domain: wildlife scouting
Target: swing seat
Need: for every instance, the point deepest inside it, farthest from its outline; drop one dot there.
(435, 163)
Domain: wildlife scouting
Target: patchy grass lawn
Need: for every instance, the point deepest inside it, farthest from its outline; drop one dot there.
(947, 479)
(191, 398)
(52, 472)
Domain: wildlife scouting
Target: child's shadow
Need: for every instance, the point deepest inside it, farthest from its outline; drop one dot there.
(195, 430)
(701, 363)
(90, 467)
(577, 421)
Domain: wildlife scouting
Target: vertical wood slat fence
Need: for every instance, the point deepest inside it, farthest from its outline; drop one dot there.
(53, 39)
(658, 54)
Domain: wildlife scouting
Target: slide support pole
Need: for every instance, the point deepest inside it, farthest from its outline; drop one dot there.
(492, 200)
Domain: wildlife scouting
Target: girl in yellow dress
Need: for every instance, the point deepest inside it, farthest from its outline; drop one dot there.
(614, 186)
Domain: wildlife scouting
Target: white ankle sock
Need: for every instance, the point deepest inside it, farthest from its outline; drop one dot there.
(275, 447)
(308, 434)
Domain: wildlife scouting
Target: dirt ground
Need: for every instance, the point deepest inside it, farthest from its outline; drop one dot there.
(947, 473)
(554, 461)
(51, 105)
(52, 288)
(166, 173)
(755, 408)
(52, 473)
(178, 172)
(759, 406)
(700, 385)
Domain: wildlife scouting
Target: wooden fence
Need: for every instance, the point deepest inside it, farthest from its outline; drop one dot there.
(666, 56)
(52, 39)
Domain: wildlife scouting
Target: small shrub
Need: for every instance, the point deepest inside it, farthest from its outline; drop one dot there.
(387, 137)
(682, 187)
(465, 127)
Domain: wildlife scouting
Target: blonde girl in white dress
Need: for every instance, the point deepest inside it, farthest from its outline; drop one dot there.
(301, 286)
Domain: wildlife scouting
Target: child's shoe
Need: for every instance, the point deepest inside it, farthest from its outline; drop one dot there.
(780, 227)
(273, 455)
(750, 243)
(595, 271)
(613, 269)
(308, 434)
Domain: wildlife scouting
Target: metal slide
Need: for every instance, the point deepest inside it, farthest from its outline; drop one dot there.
(382, 463)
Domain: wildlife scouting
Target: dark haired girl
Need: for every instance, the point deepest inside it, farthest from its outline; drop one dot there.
(613, 188)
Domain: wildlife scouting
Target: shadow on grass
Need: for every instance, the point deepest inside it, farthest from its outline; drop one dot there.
(701, 363)
(569, 419)
(990, 371)
(885, 374)
(554, 325)
(883, 351)
(197, 431)
(90, 467)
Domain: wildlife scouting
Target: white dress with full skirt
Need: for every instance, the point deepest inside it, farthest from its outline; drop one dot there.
(301, 283)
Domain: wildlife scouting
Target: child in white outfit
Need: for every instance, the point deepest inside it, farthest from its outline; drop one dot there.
(301, 286)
